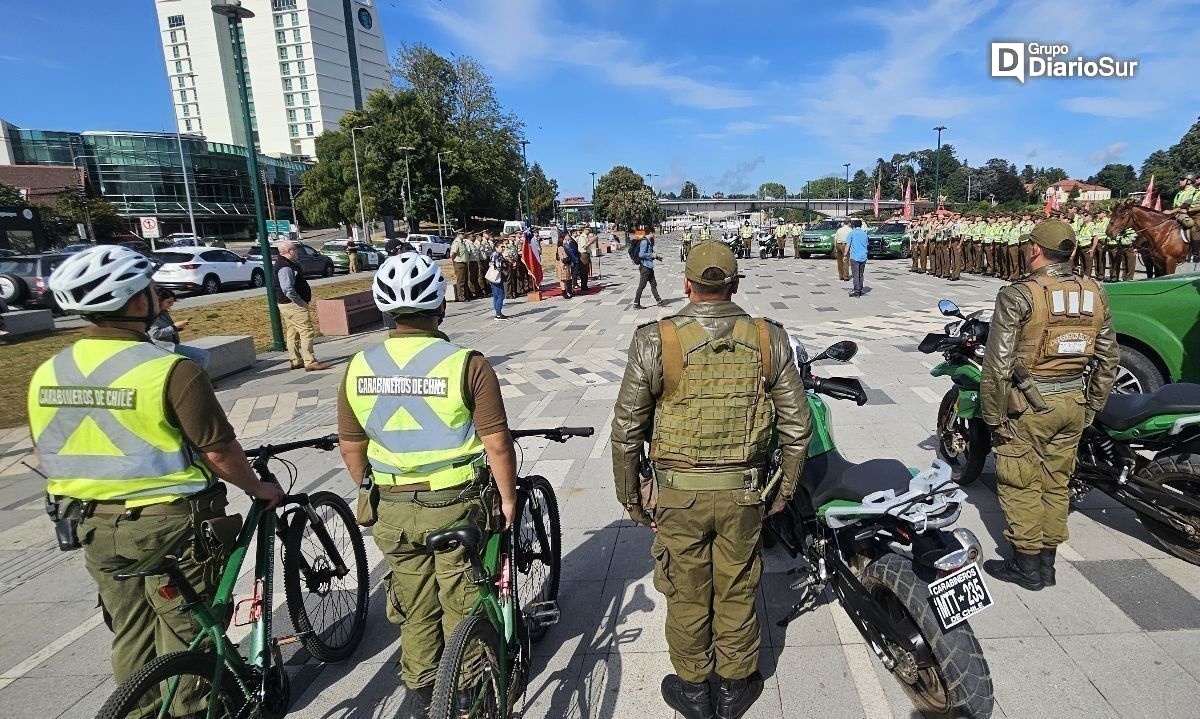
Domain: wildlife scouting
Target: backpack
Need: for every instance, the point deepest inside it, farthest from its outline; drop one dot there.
(634, 248)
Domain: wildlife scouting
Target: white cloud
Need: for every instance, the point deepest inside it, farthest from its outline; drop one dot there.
(512, 35)
(1112, 153)
(743, 127)
(1119, 107)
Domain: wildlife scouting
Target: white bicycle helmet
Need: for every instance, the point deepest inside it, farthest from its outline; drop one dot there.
(409, 282)
(100, 279)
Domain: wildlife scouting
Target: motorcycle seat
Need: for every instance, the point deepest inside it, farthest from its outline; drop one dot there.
(831, 476)
(1124, 411)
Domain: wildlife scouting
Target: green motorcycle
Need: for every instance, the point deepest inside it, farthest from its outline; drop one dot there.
(962, 437)
(1143, 450)
(768, 246)
(735, 243)
(880, 535)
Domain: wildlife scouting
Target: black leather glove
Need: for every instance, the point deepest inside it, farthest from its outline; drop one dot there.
(639, 515)
(778, 505)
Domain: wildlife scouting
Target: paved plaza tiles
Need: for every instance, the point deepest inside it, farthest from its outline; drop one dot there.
(1118, 637)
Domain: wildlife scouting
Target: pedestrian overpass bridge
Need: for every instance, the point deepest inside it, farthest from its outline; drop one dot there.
(714, 207)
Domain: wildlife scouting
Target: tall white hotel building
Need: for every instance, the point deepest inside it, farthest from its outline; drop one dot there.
(308, 63)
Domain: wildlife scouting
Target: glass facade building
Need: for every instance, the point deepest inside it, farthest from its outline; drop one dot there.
(143, 175)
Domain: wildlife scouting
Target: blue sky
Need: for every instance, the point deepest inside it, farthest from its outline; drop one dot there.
(728, 94)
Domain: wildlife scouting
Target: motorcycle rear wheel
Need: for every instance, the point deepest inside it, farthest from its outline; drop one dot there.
(1175, 474)
(960, 682)
(967, 465)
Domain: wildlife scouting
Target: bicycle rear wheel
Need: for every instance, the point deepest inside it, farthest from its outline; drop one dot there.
(328, 612)
(180, 684)
(468, 679)
(537, 555)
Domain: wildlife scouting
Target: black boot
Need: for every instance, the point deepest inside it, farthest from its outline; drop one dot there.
(422, 698)
(1047, 557)
(736, 696)
(1023, 570)
(692, 701)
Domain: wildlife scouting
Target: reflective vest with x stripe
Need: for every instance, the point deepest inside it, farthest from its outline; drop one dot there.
(408, 395)
(98, 415)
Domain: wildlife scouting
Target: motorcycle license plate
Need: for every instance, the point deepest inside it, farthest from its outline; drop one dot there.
(958, 596)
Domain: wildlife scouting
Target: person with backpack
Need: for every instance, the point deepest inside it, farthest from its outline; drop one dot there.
(642, 254)
(708, 389)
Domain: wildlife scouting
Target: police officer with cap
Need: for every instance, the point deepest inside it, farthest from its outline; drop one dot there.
(423, 417)
(705, 389)
(132, 440)
(1038, 394)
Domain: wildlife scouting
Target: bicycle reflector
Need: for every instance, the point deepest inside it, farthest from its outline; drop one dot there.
(168, 592)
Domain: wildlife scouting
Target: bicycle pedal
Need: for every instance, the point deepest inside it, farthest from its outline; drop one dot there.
(546, 613)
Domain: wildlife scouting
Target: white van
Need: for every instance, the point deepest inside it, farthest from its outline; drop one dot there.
(511, 226)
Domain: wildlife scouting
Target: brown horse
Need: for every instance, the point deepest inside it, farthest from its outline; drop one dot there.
(1157, 233)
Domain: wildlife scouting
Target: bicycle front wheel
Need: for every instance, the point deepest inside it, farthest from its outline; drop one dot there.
(328, 611)
(177, 685)
(537, 556)
(468, 679)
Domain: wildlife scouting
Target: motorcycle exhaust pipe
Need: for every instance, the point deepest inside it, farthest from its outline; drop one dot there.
(969, 551)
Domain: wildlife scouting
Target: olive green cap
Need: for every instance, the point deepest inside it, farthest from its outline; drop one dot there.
(710, 255)
(1053, 235)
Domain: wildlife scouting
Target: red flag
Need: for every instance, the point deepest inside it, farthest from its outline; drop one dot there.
(876, 210)
(1149, 192)
(531, 260)
(908, 200)
(1158, 204)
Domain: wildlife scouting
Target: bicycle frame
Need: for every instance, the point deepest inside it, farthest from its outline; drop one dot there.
(496, 604)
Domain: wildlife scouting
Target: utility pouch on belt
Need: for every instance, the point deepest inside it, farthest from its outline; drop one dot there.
(647, 486)
(66, 529)
(366, 512)
(1025, 390)
(221, 533)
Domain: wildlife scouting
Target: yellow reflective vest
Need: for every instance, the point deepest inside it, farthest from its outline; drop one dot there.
(98, 415)
(408, 395)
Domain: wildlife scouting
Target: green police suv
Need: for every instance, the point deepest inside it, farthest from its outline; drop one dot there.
(889, 240)
(1158, 325)
(818, 239)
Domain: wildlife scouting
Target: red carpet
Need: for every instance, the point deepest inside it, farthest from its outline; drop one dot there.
(553, 291)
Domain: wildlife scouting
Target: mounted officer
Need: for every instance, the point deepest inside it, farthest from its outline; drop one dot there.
(1046, 330)
(706, 389)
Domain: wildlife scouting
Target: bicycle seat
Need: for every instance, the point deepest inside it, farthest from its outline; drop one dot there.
(1128, 410)
(160, 561)
(449, 539)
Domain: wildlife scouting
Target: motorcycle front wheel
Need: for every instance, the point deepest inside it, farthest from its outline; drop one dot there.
(959, 683)
(962, 443)
(1179, 475)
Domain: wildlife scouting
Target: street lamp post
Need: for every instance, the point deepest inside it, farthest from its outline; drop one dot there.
(407, 187)
(847, 166)
(235, 14)
(937, 168)
(525, 182)
(442, 189)
(807, 197)
(593, 185)
(362, 212)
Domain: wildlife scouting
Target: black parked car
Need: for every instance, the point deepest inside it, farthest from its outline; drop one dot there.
(311, 261)
(25, 279)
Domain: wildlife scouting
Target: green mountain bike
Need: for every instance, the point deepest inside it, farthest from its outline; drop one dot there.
(485, 665)
(325, 577)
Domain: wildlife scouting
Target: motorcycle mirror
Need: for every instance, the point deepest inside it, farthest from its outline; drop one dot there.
(948, 308)
(842, 351)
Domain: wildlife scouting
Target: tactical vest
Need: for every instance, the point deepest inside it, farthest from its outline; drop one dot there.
(1186, 196)
(714, 410)
(746, 232)
(98, 415)
(1060, 337)
(407, 394)
(1083, 235)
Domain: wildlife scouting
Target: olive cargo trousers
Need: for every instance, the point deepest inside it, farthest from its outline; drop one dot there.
(1032, 469)
(708, 563)
(428, 594)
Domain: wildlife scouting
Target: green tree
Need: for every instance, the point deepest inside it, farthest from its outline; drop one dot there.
(632, 209)
(330, 196)
(10, 196)
(619, 181)
(70, 210)
(861, 185)
(772, 191)
(689, 191)
(1121, 179)
(1052, 174)
(542, 192)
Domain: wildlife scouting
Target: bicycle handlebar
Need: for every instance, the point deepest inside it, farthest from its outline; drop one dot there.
(325, 443)
(558, 434)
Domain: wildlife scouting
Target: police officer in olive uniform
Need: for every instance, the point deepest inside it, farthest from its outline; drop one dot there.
(428, 467)
(705, 388)
(1045, 331)
(460, 254)
(132, 440)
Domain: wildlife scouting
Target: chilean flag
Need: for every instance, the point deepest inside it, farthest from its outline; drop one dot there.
(531, 258)
(908, 201)
(1158, 204)
(1149, 192)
